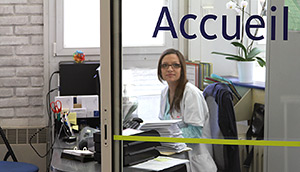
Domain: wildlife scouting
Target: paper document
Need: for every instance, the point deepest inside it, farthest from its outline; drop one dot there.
(159, 123)
(78, 152)
(160, 163)
(170, 151)
(166, 128)
(130, 131)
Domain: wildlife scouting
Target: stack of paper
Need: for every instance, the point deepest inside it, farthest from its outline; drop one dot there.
(163, 150)
(160, 163)
(166, 128)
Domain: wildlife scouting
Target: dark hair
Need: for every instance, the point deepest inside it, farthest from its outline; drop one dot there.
(182, 80)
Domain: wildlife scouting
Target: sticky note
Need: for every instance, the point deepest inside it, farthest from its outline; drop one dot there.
(72, 118)
(161, 159)
(75, 127)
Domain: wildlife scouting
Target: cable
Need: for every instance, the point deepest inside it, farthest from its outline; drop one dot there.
(49, 89)
(49, 116)
(48, 102)
(62, 127)
(51, 147)
(30, 142)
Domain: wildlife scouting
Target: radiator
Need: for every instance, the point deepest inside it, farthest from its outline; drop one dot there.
(258, 155)
(258, 158)
(19, 141)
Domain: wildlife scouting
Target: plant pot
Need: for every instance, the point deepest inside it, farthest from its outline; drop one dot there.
(245, 71)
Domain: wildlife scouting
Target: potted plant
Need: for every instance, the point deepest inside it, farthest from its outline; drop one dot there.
(247, 55)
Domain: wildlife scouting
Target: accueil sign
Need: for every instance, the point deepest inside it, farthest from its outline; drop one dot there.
(165, 13)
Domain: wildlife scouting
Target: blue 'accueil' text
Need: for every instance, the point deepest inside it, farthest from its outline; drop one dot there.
(165, 12)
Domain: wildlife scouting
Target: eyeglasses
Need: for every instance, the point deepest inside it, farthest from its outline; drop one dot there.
(174, 66)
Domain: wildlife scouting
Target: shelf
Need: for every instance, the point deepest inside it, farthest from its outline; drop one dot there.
(255, 84)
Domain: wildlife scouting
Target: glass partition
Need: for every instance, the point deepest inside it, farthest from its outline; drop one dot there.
(163, 87)
(180, 100)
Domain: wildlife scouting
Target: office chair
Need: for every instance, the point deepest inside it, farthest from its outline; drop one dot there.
(222, 126)
(14, 166)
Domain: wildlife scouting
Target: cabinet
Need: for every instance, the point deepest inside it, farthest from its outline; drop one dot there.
(244, 107)
(251, 93)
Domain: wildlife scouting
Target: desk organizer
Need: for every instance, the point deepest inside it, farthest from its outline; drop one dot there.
(97, 140)
(137, 151)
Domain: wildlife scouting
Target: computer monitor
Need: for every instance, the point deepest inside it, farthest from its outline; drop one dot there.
(79, 78)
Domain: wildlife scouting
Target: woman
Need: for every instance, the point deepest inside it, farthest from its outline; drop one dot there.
(182, 100)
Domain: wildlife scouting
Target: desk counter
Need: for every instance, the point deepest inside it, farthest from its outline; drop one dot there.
(59, 164)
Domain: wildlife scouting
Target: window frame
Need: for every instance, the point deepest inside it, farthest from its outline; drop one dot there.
(60, 50)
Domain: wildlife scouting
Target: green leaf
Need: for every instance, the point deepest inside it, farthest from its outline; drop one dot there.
(225, 54)
(255, 51)
(261, 61)
(237, 44)
(235, 58)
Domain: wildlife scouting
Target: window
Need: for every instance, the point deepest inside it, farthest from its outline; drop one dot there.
(81, 23)
(256, 8)
(137, 28)
(78, 26)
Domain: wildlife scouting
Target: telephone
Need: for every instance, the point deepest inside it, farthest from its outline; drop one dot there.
(134, 123)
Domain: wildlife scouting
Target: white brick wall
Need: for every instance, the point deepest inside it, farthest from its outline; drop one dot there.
(7, 72)
(13, 20)
(5, 50)
(6, 30)
(28, 9)
(21, 63)
(7, 112)
(12, 1)
(13, 40)
(6, 92)
(36, 20)
(29, 50)
(37, 81)
(6, 9)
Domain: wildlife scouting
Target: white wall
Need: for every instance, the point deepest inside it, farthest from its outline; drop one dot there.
(283, 96)
(21, 63)
(201, 48)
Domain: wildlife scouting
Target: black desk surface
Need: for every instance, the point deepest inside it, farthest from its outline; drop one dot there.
(65, 165)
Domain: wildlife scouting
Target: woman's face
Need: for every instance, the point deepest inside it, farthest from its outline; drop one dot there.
(170, 68)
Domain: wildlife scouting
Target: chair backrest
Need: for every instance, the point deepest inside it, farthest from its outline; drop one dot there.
(217, 150)
(223, 126)
(10, 152)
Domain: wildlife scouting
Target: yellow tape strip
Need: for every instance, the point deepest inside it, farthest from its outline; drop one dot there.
(209, 141)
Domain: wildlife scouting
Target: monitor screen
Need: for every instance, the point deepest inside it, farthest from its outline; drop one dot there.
(78, 78)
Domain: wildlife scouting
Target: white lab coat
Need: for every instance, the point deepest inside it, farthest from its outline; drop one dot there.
(193, 111)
